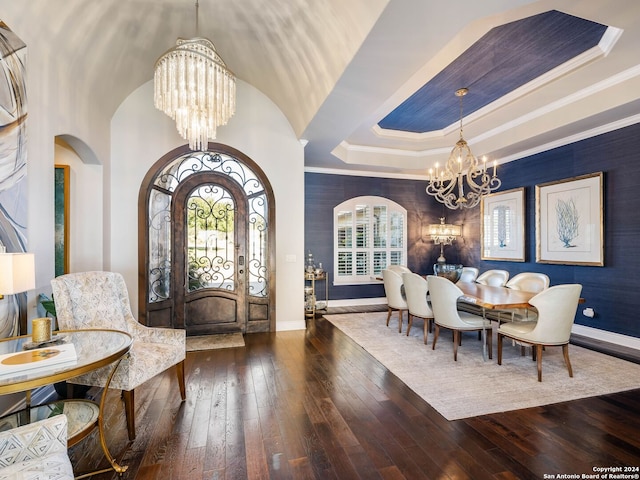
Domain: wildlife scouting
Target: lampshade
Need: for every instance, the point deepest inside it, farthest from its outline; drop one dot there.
(443, 233)
(17, 273)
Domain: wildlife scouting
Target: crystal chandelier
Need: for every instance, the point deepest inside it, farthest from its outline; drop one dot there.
(195, 88)
(462, 172)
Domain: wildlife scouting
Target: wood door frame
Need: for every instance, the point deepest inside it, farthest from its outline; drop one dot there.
(143, 227)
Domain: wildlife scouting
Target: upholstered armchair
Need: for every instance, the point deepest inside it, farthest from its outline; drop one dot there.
(557, 308)
(36, 451)
(393, 290)
(100, 300)
(416, 289)
(444, 295)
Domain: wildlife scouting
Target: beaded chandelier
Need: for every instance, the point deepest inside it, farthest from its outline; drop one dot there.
(195, 88)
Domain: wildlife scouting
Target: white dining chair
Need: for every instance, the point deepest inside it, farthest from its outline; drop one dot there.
(469, 274)
(533, 282)
(494, 278)
(396, 300)
(416, 289)
(557, 308)
(444, 295)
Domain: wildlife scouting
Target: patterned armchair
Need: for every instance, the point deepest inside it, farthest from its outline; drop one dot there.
(100, 300)
(36, 451)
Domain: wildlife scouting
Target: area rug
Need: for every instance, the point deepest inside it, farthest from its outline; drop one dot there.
(211, 342)
(471, 386)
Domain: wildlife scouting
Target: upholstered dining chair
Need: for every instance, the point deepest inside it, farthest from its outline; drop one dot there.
(444, 295)
(396, 300)
(557, 308)
(416, 289)
(494, 278)
(469, 274)
(100, 300)
(399, 269)
(533, 282)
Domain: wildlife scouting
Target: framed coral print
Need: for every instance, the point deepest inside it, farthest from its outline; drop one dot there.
(570, 221)
(502, 227)
(61, 215)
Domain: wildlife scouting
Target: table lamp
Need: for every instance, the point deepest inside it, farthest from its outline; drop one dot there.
(17, 275)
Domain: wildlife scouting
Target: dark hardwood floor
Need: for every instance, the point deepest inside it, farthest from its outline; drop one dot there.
(315, 405)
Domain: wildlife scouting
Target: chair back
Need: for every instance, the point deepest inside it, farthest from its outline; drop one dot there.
(557, 308)
(92, 300)
(399, 269)
(444, 298)
(529, 282)
(494, 278)
(469, 274)
(416, 289)
(393, 289)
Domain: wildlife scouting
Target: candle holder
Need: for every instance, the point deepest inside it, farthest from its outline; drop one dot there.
(41, 330)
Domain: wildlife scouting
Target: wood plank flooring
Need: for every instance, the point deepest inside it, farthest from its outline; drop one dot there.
(314, 405)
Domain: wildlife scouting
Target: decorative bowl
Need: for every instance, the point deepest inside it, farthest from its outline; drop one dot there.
(449, 271)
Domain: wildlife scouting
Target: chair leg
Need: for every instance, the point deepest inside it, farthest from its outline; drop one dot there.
(499, 349)
(426, 329)
(388, 315)
(435, 337)
(410, 323)
(129, 411)
(456, 339)
(180, 374)
(490, 342)
(400, 321)
(565, 351)
(539, 355)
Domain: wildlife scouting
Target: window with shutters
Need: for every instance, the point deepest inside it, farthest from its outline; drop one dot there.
(369, 234)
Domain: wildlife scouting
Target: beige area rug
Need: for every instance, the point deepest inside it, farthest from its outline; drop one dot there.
(471, 386)
(211, 342)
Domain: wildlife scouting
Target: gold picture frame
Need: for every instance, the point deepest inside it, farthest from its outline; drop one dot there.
(61, 212)
(570, 221)
(502, 235)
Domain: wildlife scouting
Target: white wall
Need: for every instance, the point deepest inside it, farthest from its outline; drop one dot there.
(141, 135)
(85, 210)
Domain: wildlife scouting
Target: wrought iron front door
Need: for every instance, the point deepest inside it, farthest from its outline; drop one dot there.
(209, 255)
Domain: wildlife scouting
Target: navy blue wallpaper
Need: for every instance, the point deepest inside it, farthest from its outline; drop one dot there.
(612, 291)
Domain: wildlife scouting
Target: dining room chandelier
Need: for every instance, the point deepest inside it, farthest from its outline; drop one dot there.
(193, 85)
(463, 181)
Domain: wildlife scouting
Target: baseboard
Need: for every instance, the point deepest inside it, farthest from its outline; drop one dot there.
(354, 302)
(609, 337)
(292, 325)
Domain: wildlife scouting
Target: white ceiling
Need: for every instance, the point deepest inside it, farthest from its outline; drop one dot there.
(336, 67)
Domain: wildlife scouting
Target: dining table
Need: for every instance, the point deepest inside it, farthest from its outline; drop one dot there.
(489, 297)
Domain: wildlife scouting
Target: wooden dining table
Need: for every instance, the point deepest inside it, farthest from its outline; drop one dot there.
(488, 297)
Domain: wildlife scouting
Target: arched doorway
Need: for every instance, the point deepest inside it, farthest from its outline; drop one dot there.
(207, 250)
